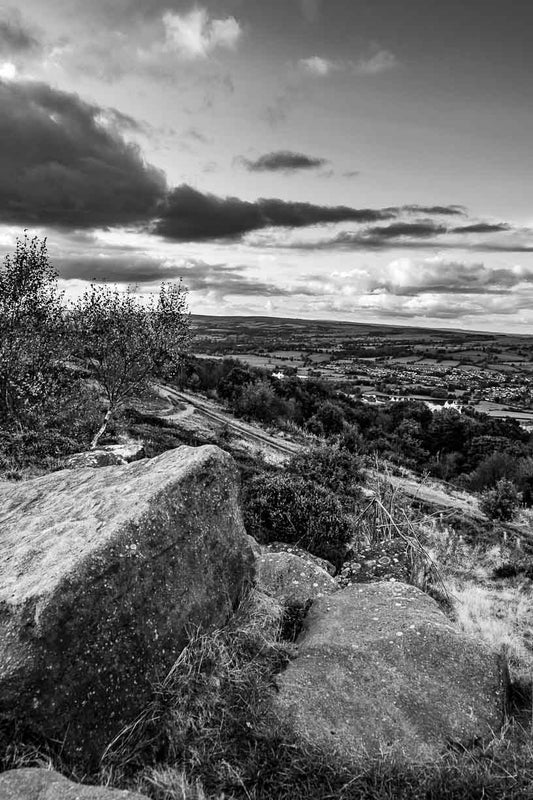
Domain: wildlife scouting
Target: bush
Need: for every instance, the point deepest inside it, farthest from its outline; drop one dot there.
(259, 401)
(500, 503)
(333, 468)
(289, 508)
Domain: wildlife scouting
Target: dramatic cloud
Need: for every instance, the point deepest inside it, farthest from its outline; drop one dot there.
(195, 35)
(15, 36)
(283, 161)
(189, 215)
(64, 162)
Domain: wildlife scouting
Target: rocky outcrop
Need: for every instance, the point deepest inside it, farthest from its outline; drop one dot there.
(380, 668)
(291, 579)
(102, 574)
(44, 784)
(107, 456)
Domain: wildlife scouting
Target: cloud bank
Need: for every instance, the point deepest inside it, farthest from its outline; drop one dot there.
(64, 162)
(190, 215)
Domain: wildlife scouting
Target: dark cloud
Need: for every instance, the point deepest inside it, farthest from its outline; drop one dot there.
(117, 268)
(283, 161)
(452, 210)
(131, 268)
(414, 229)
(190, 215)
(482, 227)
(15, 36)
(64, 162)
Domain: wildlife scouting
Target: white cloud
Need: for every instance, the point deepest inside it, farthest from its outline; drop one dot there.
(316, 65)
(8, 71)
(195, 35)
(380, 61)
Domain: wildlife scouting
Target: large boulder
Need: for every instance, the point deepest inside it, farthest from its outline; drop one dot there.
(44, 784)
(103, 573)
(380, 668)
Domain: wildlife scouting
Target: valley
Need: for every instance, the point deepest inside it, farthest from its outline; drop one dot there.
(490, 372)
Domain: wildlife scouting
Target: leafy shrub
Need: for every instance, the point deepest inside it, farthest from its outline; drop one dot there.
(500, 503)
(259, 401)
(289, 508)
(333, 468)
(491, 470)
(329, 418)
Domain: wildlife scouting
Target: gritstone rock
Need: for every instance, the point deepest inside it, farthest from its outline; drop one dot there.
(381, 668)
(103, 574)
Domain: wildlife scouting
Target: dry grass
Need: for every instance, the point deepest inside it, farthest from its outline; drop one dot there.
(502, 618)
(498, 612)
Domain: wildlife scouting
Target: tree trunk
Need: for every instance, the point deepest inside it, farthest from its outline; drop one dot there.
(103, 427)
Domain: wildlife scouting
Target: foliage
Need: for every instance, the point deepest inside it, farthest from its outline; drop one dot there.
(449, 444)
(289, 508)
(500, 503)
(125, 342)
(32, 334)
(259, 401)
(329, 418)
(332, 467)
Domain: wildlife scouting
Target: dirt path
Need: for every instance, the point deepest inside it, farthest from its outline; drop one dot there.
(244, 429)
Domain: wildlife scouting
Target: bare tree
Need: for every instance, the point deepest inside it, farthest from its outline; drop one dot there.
(126, 342)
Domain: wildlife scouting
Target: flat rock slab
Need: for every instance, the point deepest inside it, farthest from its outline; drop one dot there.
(380, 668)
(285, 547)
(291, 579)
(44, 784)
(103, 573)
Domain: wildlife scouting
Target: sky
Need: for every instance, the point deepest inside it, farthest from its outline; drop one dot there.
(365, 160)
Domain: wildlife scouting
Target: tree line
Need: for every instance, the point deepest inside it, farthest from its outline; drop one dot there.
(469, 448)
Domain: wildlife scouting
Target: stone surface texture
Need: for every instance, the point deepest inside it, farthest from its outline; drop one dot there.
(284, 547)
(381, 668)
(291, 579)
(107, 456)
(102, 575)
(44, 784)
